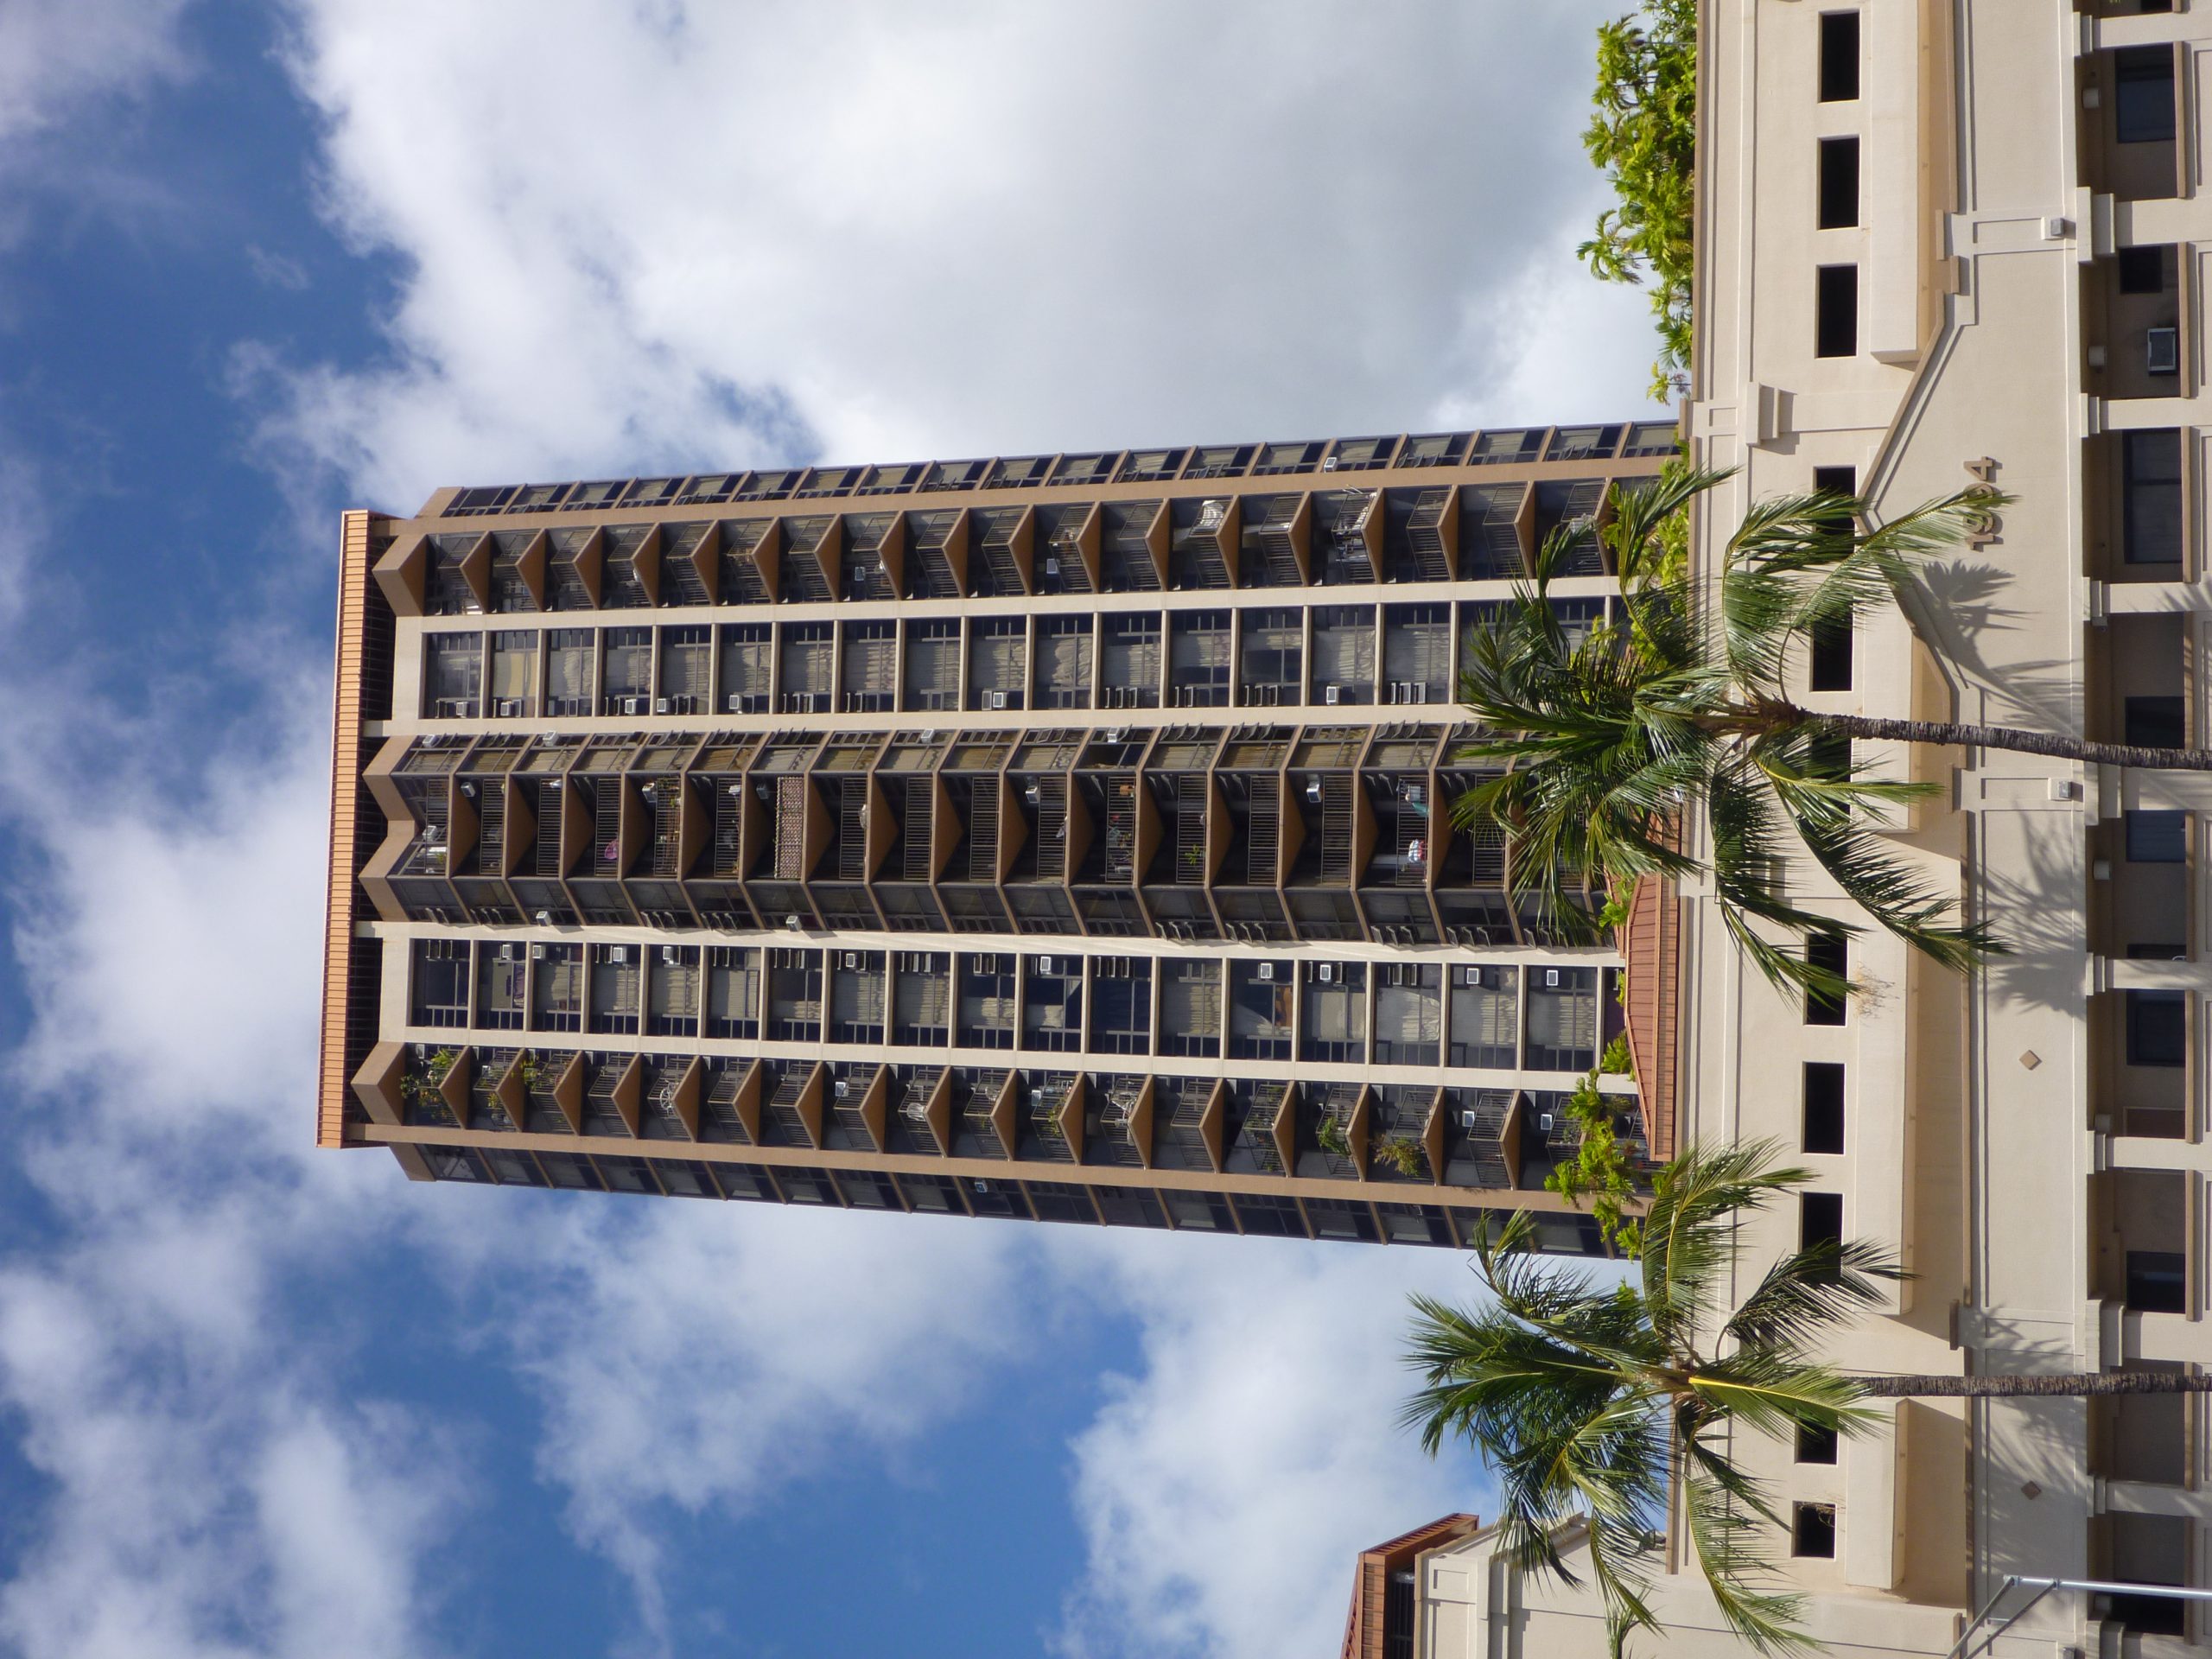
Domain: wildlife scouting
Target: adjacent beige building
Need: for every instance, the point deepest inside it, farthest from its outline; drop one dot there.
(1942, 243)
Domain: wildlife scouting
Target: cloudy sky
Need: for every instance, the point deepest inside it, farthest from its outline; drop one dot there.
(260, 261)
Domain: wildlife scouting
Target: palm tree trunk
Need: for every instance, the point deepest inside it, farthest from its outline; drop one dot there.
(2071, 1385)
(2017, 740)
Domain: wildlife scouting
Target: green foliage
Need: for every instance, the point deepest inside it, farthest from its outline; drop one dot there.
(1602, 1170)
(1603, 745)
(1402, 1154)
(1643, 138)
(1331, 1136)
(419, 1086)
(1590, 1400)
(1615, 1061)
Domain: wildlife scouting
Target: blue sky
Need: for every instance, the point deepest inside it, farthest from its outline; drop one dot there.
(261, 262)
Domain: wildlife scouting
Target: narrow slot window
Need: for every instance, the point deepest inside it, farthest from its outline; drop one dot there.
(1835, 312)
(1823, 1129)
(1839, 183)
(1839, 56)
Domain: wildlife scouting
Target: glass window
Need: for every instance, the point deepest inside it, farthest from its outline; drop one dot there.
(1823, 1128)
(440, 983)
(2158, 1028)
(1130, 665)
(453, 671)
(568, 676)
(2158, 838)
(1260, 1010)
(514, 673)
(1486, 1017)
(1562, 1018)
(733, 992)
(2150, 506)
(1833, 952)
(2143, 94)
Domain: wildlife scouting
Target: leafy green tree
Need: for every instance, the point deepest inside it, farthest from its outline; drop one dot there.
(1612, 738)
(1643, 137)
(1596, 1401)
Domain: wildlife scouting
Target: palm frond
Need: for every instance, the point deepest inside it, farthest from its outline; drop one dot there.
(1810, 1292)
(1724, 1533)
(1686, 1248)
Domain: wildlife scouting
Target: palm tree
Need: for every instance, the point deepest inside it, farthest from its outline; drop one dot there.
(1609, 737)
(1599, 1401)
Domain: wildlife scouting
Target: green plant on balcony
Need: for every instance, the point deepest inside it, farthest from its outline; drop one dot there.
(1403, 1153)
(419, 1088)
(1616, 1061)
(1603, 1169)
(1331, 1135)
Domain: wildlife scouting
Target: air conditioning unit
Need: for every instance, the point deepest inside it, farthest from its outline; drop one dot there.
(617, 953)
(2162, 349)
(509, 708)
(1330, 694)
(1470, 1121)
(1265, 973)
(1326, 972)
(537, 953)
(735, 702)
(841, 1089)
(1045, 964)
(1470, 976)
(506, 953)
(1551, 979)
(983, 1187)
(998, 699)
(1052, 567)
(668, 954)
(1544, 1122)
(852, 959)
(1313, 790)
(660, 705)
(791, 923)
(1328, 465)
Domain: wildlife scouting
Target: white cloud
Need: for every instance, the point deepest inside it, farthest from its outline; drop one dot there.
(57, 55)
(690, 1357)
(1224, 1489)
(994, 226)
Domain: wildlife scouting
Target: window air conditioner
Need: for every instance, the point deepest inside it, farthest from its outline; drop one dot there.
(506, 953)
(1551, 979)
(734, 701)
(1052, 567)
(617, 953)
(1043, 964)
(636, 705)
(1330, 694)
(1313, 790)
(1470, 976)
(660, 705)
(1328, 465)
(1469, 1121)
(983, 1187)
(852, 959)
(1265, 973)
(1544, 1122)
(2162, 347)
(509, 708)
(998, 699)
(841, 1089)
(668, 954)
(1326, 972)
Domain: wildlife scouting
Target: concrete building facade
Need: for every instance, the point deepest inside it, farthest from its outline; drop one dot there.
(1053, 836)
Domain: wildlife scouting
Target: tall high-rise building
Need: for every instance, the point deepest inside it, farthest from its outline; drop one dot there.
(1941, 245)
(1061, 836)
